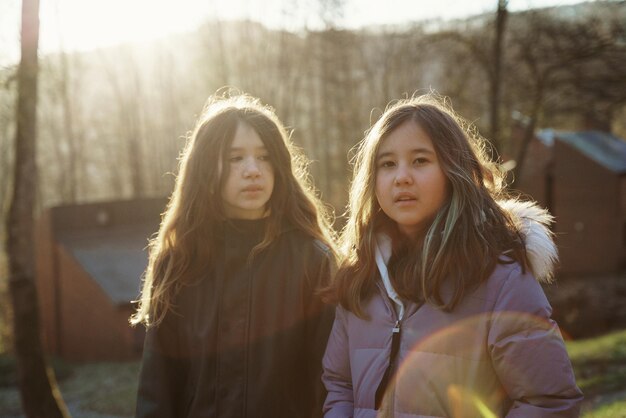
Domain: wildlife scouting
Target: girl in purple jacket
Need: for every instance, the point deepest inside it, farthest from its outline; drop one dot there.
(441, 313)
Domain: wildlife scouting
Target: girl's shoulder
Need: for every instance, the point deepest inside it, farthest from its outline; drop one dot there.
(506, 270)
(322, 248)
(321, 253)
(301, 240)
(510, 287)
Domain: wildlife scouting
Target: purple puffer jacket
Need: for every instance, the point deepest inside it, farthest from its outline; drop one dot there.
(497, 353)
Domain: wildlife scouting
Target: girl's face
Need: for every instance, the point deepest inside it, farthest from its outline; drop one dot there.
(410, 184)
(250, 181)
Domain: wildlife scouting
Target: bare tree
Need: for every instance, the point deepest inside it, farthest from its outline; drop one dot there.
(564, 67)
(7, 125)
(75, 148)
(40, 398)
(495, 80)
(127, 91)
(473, 38)
(62, 158)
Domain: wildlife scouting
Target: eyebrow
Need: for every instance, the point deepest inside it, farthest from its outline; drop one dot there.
(413, 151)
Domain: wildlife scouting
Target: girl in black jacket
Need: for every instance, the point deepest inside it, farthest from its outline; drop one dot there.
(234, 326)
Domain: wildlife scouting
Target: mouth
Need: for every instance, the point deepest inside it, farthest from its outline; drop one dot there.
(404, 198)
(252, 188)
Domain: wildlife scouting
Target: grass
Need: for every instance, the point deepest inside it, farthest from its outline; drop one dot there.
(109, 389)
(8, 377)
(600, 368)
(89, 390)
(614, 410)
(607, 348)
(105, 388)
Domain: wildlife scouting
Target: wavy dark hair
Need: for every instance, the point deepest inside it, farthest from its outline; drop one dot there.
(465, 240)
(185, 243)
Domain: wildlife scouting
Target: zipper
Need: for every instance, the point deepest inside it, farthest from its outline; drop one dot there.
(389, 372)
(388, 303)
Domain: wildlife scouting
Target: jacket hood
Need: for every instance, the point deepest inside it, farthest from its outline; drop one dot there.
(533, 223)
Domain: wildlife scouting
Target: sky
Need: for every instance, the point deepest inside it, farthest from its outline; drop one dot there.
(87, 24)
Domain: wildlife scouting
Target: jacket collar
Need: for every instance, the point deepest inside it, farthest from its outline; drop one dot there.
(383, 253)
(533, 224)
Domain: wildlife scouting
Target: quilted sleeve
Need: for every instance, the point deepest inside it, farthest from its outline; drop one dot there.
(528, 352)
(337, 376)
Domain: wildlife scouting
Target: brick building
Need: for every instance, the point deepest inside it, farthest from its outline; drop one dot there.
(581, 178)
(90, 259)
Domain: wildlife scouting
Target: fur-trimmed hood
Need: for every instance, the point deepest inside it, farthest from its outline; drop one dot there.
(533, 224)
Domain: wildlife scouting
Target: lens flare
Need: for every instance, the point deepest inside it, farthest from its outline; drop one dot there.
(456, 369)
(464, 403)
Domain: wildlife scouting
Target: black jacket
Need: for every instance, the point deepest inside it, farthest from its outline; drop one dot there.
(247, 339)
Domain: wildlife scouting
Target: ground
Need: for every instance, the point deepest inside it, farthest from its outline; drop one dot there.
(107, 390)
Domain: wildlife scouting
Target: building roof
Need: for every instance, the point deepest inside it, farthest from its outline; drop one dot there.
(604, 148)
(109, 241)
(114, 257)
(546, 136)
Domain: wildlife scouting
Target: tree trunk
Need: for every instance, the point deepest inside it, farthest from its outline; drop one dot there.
(494, 102)
(529, 133)
(74, 149)
(40, 397)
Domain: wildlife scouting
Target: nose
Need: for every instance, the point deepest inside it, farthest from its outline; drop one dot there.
(403, 176)
(251, 168)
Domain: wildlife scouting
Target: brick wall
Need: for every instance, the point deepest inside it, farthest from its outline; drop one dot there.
(534, 179)
(93, 328)
(586, 205)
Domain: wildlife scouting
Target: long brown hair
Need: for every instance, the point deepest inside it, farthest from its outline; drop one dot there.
(466, 238)
(185, 243)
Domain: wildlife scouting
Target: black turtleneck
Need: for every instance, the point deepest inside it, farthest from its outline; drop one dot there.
(246, 340)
